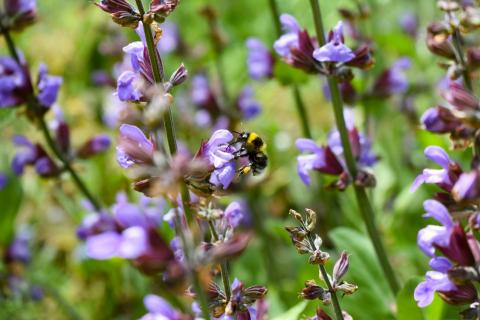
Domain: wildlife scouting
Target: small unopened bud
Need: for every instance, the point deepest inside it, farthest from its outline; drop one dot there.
(311, 220)
(363, 58)
(177, 78)
(297, 216)
(162, 8)
(437, 40)
(62, 133)
(322, 315)
(121, 12)
(340, 268)
(94, 146)
(319, 257)
(312, 291)
(460, 97)
(448, 6)
(254, 293)
(346, 288)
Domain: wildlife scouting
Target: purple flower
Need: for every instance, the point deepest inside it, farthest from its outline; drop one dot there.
(200, 91)
(259, 60)
(26, 154)
(126, 234)
(3, 181)
(408, 21)
(319, 158)
(248, 106)
(289, 40)
(134, 147)
(128, 87)
(48, 87)
(442, 177)
(95, 145)
(14, 84)
(234, 214)
(219, 153)
(361, 144)
(20, 12)
(170, 39)
(466, 187)
(433, 235)
(436, 280)
(440, 120)
(393, 80)
(159, 309)
(19, 248)
(334, 50)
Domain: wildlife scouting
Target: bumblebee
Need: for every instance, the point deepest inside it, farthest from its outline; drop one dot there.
(253, 147)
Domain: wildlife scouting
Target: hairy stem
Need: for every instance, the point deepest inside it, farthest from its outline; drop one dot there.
(364, 204)
(223, 265)
(172, 144)
(326, 279)
(458, 45)
(32, 104)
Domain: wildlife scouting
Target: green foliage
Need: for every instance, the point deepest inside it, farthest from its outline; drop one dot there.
(407, 309)
(10, 201)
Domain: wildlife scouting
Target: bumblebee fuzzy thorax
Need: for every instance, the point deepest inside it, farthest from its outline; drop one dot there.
(255, 143)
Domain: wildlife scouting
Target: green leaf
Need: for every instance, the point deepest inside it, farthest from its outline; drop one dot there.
(286, 74)
(406, 306)
(7, 115)
(365, 272)
(10, 200)
(293, 313)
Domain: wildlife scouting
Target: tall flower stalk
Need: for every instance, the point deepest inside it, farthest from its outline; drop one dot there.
(172, 144)
(36, 109)
(299, 103)
(364, 204)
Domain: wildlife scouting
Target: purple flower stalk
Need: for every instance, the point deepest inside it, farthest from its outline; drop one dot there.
(259, 60)
(334, 50)
(32, 154)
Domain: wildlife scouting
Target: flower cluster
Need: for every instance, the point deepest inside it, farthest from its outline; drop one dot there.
(452, 246)
(329, 159)
(300, 50)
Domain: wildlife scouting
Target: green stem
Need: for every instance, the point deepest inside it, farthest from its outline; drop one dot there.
(326, 279)
(172, 144)
(364, 204)
(33, 105)
(299, 104)
(458, 45)
(301, 111)
(223, 265)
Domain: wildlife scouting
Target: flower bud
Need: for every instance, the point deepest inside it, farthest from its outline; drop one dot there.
(458, 249)
(363, 58)
(460, 97)
(346, 288)
(254, 293)
(448, 6)
(341, 267)
(461, 295)
(311, 220)
(440, 120)
(297, 216)
(179, 76)
(121, 12)
(162, 8)
(20, 13)
(437, 40)
(312, 291)
(322, 315)
(319, 257)
(95, 145)
(62, 133)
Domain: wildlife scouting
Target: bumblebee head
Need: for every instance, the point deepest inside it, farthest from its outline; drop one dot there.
(243, 136)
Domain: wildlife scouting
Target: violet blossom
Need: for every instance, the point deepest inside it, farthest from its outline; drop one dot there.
(393, 80)
(219, 154)
(435, 280)
(159, 309)
(32, 154)
(20, 13)
(259, 60)
(289, 40)
(445, 177)
(134, 147)
(48, 87)
(334, 50)
(14, 83)
(246, 103)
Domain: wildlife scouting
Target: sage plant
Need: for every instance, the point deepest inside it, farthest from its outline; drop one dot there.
(452, 246)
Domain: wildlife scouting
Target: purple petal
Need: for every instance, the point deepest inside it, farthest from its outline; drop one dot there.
(438, 211)
(159, 306)
(126, 89)
(104, 245)
(440, 264)
(289, 23)
(438, 155)
(134, 243)
(223, 176)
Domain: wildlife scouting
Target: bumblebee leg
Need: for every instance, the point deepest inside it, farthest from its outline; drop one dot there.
(245, 169)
